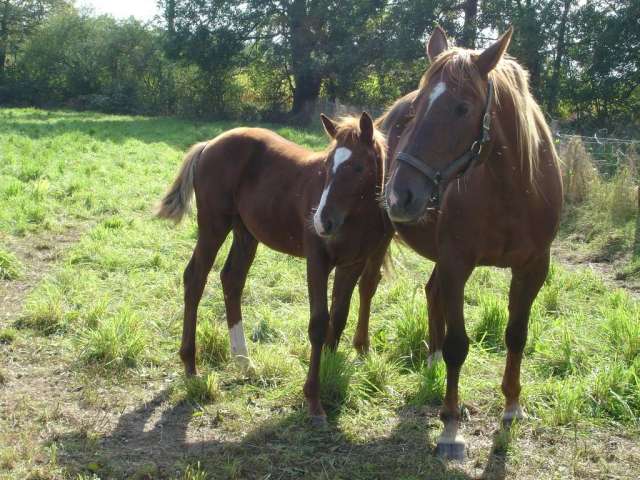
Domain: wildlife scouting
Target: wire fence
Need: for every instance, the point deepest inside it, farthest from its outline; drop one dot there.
(608, 154)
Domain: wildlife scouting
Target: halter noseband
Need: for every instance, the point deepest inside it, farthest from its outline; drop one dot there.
(457, 168)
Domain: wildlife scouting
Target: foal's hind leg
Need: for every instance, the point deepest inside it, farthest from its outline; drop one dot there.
(233, 277)
(525, 285)
(436, 318)
(343, 285)
(211, 234)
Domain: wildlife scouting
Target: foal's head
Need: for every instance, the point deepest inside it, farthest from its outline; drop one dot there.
(354, 173)
(447, 122)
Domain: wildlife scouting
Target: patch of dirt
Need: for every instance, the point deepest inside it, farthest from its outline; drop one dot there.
(37, 253)
(573, 259)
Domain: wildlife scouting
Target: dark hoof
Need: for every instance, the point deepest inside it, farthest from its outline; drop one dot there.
(453, 451)
(362, 350)
(318, 421)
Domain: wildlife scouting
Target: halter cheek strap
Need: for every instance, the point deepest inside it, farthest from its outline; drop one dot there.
(457, 168)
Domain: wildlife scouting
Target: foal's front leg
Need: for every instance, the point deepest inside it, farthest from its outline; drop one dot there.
(317, 278)
(343, 286)
(367, 287)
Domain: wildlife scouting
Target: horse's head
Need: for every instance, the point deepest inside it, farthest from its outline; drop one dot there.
(354, 172)
(451, 120)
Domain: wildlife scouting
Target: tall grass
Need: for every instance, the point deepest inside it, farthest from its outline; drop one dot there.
(117, 342)
(10, 266)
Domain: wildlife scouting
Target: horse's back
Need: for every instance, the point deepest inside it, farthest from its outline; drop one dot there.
(264, 179)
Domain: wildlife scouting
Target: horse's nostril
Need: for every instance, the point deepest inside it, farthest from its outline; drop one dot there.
(328, 226)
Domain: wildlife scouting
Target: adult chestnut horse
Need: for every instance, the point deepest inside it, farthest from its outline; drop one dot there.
(321, 206)
(474, 180)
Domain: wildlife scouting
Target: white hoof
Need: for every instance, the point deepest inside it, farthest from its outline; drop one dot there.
(512, 413)
(244, 362)
(434, 358)
(451, 444)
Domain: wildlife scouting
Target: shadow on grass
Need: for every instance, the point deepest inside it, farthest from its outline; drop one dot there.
(175, 132)
(160, 441)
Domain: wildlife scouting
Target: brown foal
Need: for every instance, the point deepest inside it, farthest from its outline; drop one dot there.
(474, 180)
(321, 206)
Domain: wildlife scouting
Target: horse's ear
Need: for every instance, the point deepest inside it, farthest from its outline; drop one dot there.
(490, 57)
(437, 43)
(366, 128)
(329, 125)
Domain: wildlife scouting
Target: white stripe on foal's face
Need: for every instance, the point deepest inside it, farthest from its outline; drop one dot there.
(317, 222)
(438, 90)
(340, 156)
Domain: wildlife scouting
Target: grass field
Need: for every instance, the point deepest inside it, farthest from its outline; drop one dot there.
(90, 321)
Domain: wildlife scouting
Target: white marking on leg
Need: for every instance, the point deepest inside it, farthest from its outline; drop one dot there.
(340, 156)
(438, 90)
(450, 433)
(317, 217)
(434, 358)
(238, 344)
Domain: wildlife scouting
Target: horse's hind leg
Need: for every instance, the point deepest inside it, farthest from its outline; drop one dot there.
(211, 235)
(436, 318)
(343, 285)
(367, 289)
(525, 285)
(233, 277)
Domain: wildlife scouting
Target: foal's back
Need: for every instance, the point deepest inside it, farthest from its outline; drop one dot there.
(266, 180)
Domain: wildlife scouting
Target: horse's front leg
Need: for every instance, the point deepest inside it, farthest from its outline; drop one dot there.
(525, 285)
(318, 268)
(452, 276)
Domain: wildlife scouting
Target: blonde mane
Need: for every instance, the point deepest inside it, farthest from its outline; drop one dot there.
(348, 130)
(510, 83)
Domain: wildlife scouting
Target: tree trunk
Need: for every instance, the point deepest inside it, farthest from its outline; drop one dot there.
(554, 85)
(4, 36)
(305, 95)
(170, 15)
(636, 241)
(470, 28)
(306, 76)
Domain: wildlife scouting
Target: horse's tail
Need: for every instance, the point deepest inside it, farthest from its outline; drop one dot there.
(177, 201)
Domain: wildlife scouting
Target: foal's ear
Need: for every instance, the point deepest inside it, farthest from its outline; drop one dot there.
(366, 129)
(329, 125)
(490, 57)
(437, 43)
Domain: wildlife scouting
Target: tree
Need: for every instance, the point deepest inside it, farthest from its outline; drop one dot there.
(17, 19)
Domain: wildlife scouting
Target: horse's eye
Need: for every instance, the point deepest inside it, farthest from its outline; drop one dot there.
(462, 109)
(358, 168)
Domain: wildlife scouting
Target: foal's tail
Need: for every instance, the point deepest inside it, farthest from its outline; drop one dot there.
(177, 201)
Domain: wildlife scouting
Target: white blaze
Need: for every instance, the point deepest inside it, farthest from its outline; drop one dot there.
(341, 155)
(317, 222)
(238, 345)
(438, 90)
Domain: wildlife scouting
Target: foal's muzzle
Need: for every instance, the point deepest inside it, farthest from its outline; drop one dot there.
(329, 223)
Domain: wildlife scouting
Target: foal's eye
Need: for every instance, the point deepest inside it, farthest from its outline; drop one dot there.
(461, 109)
(358, 168)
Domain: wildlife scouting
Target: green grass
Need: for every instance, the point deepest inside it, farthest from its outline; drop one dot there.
(10, 266)
(109, 314)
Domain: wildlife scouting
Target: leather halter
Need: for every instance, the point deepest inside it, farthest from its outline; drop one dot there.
(441, 178)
